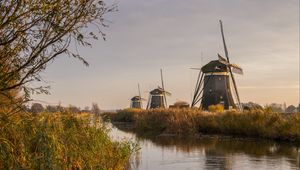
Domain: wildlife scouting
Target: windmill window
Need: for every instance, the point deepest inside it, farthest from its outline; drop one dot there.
(221, 97)
(210, 90)
(220, 78)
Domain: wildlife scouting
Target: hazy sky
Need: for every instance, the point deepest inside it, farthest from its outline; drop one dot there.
(146, 35)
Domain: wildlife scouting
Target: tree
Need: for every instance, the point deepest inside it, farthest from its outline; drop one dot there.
(276, 107)
(35, 32)
(251, 106)
(36, 108)
(73, 109)
(87, 108)
(291, 109)
(95, 109)
(51, 109)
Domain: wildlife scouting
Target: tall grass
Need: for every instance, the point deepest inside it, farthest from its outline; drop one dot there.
(59, 141)
(255, 123)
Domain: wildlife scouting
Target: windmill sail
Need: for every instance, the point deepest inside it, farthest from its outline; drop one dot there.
(163, 87)
(227, 57)
(236, 69)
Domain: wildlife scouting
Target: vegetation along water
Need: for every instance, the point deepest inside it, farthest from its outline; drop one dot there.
(59, 141)
(190, 121)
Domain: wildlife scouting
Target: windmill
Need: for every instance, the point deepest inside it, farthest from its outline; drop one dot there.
(214, 82)
(157, 97)
(136, 101)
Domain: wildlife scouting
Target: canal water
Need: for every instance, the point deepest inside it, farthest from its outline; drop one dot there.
(208, 152)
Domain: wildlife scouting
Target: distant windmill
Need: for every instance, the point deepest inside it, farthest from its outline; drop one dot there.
(214, 82)
(157, 97)
(136, 101)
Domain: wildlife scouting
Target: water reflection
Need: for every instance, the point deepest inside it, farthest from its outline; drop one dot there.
(209, 152)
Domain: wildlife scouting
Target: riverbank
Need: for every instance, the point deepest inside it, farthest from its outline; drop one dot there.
(59, 141)
(186, 122)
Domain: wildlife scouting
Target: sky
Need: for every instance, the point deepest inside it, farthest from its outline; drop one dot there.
(175, 35)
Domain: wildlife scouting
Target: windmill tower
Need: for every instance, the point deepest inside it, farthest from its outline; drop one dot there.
(136, 101)
(214, 82)
(157, 97)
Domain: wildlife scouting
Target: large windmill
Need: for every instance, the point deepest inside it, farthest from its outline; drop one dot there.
(157, 97)
(136, 101)
(214, 82)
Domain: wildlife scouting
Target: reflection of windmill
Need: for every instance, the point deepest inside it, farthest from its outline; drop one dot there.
(136, 101)
(214, 82)
(157, 97)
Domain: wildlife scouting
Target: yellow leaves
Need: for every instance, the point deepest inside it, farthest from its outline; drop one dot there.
(216, 108)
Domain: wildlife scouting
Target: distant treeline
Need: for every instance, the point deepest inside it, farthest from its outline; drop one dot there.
(39, 108)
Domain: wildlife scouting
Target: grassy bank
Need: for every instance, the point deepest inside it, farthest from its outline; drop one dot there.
(59, 141)
(256, 123)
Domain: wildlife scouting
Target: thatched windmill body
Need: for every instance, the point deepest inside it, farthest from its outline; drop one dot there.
(157, 97)
(214, 82)
(136, 101)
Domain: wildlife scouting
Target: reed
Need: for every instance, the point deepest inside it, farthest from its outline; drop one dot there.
(59, 141)
(254, 123)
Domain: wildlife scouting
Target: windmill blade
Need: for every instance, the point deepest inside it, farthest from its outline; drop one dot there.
(167, 93)
(195, 68)
(139, 90)
(140, 96)
(224, 43)
(162, 80)
(222, 59)
(163, 87)
(236, 69)
(226, 54)
(148, 103)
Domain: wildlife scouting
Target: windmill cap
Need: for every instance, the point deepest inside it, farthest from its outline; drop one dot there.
(214, 66)
(135, 98)
(157, 91)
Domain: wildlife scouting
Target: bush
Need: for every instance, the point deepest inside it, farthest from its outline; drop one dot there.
(216, 108)
(126, 115)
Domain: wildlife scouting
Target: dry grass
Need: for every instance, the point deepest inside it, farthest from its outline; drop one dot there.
(59, 141)
(255, 123)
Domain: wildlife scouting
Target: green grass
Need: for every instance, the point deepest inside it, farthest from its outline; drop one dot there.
(59, 141)
(255, 123)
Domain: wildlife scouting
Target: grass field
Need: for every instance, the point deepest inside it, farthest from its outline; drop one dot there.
(59, 141)
(255, 123)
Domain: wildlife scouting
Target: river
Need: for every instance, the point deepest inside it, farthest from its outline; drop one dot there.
(208, 152)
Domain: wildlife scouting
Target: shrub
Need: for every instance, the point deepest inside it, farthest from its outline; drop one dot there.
(126, 115)
(216, 108)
